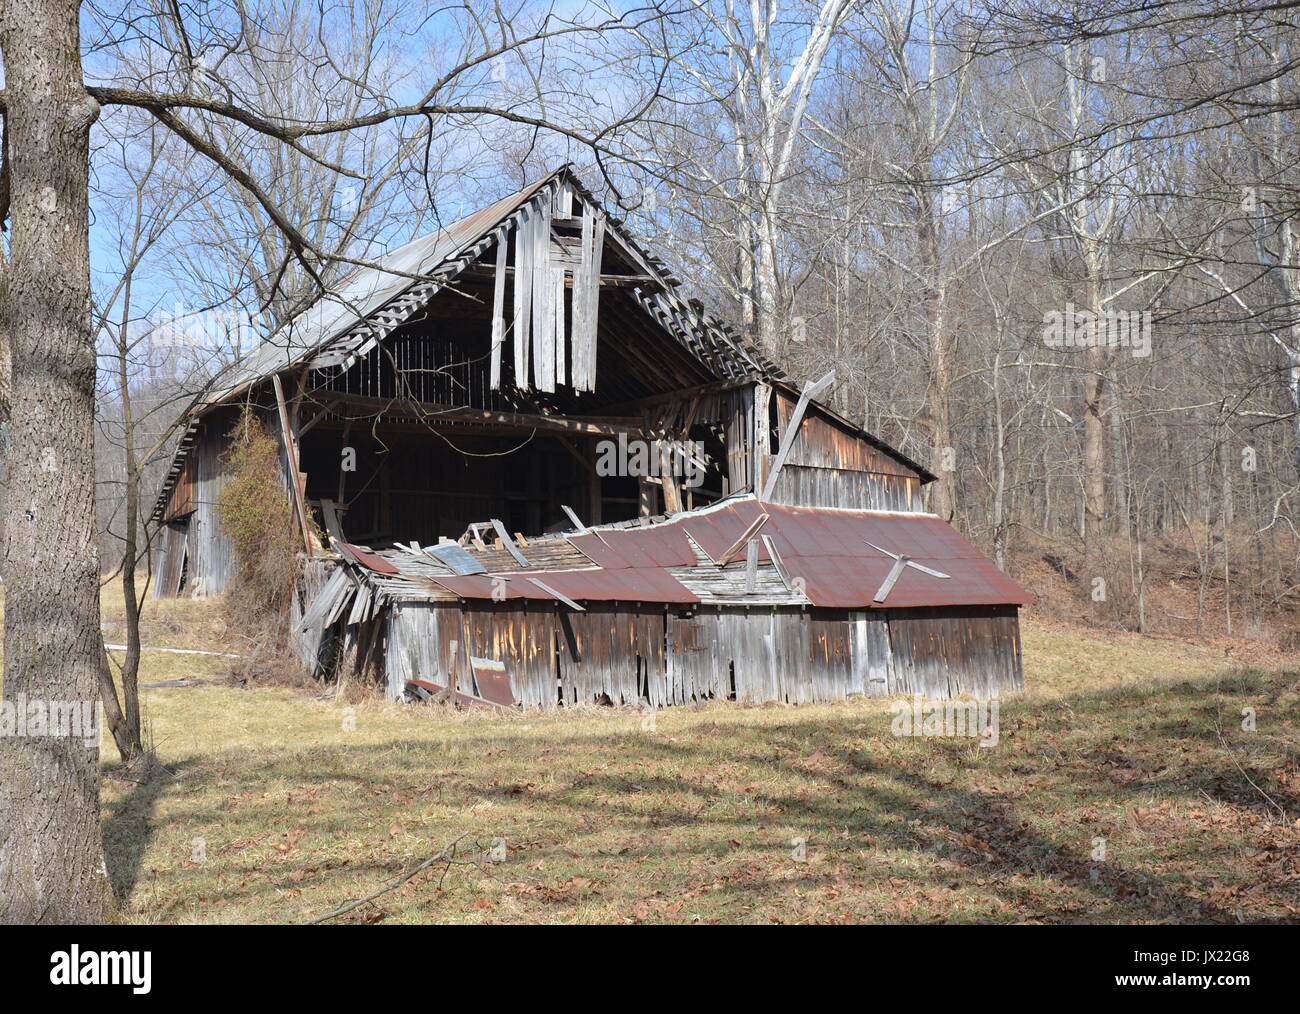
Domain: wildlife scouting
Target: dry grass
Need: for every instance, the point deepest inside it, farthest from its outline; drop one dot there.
(274, 805)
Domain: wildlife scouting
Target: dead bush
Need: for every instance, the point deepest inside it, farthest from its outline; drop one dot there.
(255, 515)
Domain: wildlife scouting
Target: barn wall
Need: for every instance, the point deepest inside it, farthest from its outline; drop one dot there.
(809, 486)
(830, 465)
(193, 510)
(942, 653)
(623, 655)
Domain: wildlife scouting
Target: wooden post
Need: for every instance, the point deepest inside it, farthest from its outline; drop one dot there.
(759, 450)
(291, 456)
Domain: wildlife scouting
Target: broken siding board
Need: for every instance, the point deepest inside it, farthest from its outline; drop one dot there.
(561, 367)
(498, 310)
(586, 290)
(523, 288)
(543, 293)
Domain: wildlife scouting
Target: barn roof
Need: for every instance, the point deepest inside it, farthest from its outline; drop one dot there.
(370, 302)
(823, 557)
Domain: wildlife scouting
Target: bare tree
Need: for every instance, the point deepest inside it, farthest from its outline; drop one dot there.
(51, 567)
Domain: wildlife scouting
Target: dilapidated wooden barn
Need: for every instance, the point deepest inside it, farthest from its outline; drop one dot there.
(544, 476)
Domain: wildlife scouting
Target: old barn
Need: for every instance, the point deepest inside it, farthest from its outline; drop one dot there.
(446, 425)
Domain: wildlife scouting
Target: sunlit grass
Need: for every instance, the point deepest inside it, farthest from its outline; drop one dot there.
(274, 805)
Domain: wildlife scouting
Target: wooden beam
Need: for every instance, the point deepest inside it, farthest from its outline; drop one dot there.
(328, 407)
(810, 391)
(430, 414)
(749, 533)
(291, 456)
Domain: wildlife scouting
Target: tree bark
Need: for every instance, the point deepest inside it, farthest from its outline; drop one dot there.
(51, 866)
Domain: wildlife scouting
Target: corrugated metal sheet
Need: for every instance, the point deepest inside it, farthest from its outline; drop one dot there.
(828, 555)
(620, 584)
(829, 550)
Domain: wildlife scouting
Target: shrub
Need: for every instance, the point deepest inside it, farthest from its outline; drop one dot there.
(256, 516)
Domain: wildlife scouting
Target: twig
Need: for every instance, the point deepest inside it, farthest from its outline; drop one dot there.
(1218, 729)
(446, 855)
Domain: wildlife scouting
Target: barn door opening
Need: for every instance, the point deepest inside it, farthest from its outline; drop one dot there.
(873, 663)
(173, 559)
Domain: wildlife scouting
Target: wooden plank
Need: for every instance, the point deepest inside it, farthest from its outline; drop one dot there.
(508, 542)
(749, 533)
(523, 294)
(577, 522)
(332, 526)
(579, 359)
(557, 299)
(886, 586)
(291, 454)
(557, 595)
(543, 291)
(498, 310)
(427, 415)
(777, 562)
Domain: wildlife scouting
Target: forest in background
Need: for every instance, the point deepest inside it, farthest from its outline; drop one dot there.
(921, 196)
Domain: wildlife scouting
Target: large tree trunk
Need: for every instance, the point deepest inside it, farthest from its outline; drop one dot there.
(51, 867)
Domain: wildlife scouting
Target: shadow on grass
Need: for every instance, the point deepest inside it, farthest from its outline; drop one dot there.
(130, 827)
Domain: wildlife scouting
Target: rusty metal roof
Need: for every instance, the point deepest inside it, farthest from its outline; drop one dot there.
(617, 584)
(827, 558)
(831, 551)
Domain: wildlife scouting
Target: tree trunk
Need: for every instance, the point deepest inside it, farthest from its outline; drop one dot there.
(51, 866)
(126, 727)
(938, 372)
(1094, 456)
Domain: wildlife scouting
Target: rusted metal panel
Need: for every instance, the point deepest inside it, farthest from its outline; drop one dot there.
(371, 561)
(662, 545)
(493, 681)
(716, 531)
(615, 585)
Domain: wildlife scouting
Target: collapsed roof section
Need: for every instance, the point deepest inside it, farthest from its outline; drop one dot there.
(741, 551)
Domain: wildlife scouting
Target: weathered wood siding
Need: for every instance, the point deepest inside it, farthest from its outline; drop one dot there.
(624, 655)
(193, 505)
(963, 650)
(829, 465)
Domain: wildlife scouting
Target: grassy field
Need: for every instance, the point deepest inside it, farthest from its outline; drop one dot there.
(274, 805)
